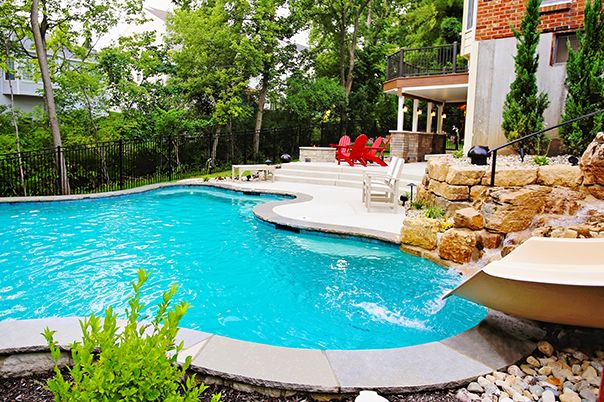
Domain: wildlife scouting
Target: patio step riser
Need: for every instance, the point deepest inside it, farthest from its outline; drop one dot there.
(319, 174)
(320, 181)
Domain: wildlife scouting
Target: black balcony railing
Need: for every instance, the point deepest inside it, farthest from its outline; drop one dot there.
(433, 60)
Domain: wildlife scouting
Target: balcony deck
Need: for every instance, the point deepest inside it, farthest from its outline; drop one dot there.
(435, 73)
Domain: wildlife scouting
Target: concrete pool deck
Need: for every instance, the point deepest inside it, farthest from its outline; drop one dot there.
(497, 342)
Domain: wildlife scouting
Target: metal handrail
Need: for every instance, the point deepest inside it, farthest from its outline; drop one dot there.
(431, 60)
(493, 152)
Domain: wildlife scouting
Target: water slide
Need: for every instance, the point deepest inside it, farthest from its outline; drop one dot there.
(553, 280)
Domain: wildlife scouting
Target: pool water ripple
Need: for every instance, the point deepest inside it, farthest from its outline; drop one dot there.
(243, 278)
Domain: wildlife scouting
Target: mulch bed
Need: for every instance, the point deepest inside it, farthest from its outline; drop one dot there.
(31, 389)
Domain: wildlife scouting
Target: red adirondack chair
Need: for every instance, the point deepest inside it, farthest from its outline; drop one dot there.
(343, 143)
(376, 151)
(356, 152)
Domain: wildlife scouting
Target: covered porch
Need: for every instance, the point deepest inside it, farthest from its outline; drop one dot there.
(434, 76)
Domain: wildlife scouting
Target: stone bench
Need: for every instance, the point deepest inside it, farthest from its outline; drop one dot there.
(268, 170)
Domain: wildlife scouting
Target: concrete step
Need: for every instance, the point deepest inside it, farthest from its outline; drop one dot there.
(320, 181)
(327, 174)
(332, 167)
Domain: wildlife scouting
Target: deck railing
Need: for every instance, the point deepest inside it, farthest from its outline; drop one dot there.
(433, 60)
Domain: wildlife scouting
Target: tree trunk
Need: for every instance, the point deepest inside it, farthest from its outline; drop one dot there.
(15, 123)
(49, 97)
(260, 112)
(215, 143)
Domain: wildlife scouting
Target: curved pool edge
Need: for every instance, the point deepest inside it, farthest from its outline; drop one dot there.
(264, 211)
(496, 342)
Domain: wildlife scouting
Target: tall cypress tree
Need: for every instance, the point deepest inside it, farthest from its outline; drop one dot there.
(524, 105)
(585, 82)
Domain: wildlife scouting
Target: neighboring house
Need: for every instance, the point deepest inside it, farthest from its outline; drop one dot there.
(26, 91)
(479, 71)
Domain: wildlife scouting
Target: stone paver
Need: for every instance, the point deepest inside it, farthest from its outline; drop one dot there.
(26, 335)
(264, 365)
(407, 369)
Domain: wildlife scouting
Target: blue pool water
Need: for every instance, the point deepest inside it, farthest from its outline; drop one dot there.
(244, 278)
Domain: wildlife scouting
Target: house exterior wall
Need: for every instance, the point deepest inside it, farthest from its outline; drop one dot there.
(491, 73)
(494, 18)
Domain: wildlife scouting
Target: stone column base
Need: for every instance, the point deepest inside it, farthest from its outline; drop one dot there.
(414, 146)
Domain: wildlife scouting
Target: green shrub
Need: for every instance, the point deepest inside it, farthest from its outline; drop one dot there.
(434, 212)
(541, 160)
(133, 363)
(417, 204)
(458, 154)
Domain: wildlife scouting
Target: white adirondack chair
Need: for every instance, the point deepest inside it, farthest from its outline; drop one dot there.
(383, 189)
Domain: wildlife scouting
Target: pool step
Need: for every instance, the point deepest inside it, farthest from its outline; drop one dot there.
(331, 174)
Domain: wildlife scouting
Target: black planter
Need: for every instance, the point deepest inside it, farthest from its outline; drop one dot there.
(478, 155)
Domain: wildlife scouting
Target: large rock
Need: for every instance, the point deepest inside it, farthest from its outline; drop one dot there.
(486, 239)
(465, 176)
(457, 245)
(563, 201)
(421, 232)
(438, 168)
(450, 192)
(478, 193)
(559, 175)
(513, 209)
(592, 162)
(512, 177)
(468, 218)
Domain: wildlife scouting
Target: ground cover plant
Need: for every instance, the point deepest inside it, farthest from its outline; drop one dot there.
(136, 362)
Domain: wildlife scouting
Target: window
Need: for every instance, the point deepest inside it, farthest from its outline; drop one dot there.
(546, 3)
(561, 43)
(470, 20)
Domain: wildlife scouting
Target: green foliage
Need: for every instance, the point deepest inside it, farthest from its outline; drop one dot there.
(458, 154)
(432, 22)
(541, 160)
(434, 212)
(524, 106)
(314, 100)
(129, 363)
(418, 204)
(585, 82)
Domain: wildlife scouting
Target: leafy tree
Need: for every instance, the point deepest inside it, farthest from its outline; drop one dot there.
(269, 26)
(585, 82)
(314, 100)
(433, 22)
(213, 59)
(524, 106)
(55, 28)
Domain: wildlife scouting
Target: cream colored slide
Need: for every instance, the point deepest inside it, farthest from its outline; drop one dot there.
(553, 280)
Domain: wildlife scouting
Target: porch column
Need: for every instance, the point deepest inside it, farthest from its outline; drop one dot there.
(400, 119)
(429, 118)
(439, 118)
(415, 106)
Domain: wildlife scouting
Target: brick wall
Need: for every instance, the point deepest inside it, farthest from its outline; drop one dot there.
(494, 17)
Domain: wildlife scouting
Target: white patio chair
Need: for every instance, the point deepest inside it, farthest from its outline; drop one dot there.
(383, 188)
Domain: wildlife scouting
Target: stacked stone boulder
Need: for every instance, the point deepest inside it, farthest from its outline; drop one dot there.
(484, 217)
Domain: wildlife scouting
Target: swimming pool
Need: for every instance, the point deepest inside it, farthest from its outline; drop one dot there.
(244, 278)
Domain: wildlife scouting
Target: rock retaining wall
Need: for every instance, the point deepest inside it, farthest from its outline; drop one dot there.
(525, 201)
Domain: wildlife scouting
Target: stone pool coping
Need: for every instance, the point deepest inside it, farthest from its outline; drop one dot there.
(496, 342)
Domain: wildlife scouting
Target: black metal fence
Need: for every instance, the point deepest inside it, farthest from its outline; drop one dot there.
(423, 61)
(122, 164)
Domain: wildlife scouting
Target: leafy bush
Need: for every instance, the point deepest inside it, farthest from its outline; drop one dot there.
(434, 212)
(458, 154)
(541, 160)
(129, 363)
